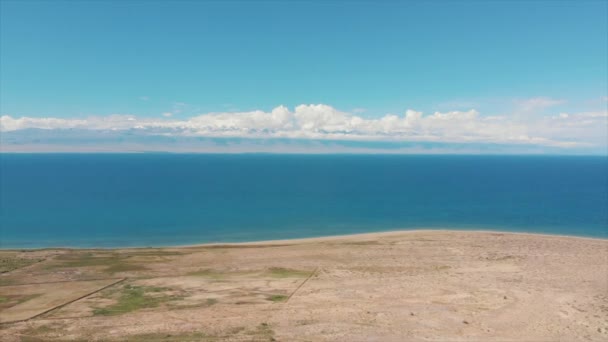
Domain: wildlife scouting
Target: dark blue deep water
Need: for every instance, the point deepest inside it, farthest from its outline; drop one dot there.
(114, 200)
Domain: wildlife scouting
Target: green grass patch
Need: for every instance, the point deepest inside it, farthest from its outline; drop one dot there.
(277, 298)
(134, 298)
(280, 272)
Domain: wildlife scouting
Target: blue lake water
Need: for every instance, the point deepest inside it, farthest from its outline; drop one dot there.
(111, 200)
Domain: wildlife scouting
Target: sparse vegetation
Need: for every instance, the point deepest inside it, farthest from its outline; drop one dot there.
(262, 332)
(277, 298)
(23, 299)
(168, 337)
(206, 303)
(114, 262)
(124, 267)
(135, 298)
(150, 253)
(236, 330)
(43, 332)
(496, 257)
(280, 272)
(40, 329)
(11, 263)
(273, 272)
(12, 300)
(6, 281)
(208, 273)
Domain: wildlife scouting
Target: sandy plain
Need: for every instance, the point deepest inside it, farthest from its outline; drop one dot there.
(397, 286)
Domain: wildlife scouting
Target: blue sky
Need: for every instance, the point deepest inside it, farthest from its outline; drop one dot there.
(174, 61)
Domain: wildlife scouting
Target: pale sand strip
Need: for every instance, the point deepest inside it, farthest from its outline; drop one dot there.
(374, 236)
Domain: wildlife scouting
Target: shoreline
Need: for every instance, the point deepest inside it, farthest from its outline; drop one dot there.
(371, 235)
(316, 239)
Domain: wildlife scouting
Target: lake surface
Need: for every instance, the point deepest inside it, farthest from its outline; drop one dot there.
(112, 200)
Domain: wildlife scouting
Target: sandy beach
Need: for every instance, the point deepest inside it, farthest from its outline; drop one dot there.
(396, 286)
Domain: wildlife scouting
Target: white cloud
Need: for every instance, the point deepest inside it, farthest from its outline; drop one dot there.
(327, 123)
(167, 114)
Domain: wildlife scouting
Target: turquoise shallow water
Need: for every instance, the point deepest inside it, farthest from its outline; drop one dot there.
(112, 200)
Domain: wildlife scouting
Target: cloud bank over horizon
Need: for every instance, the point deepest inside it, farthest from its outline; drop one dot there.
(320, 122)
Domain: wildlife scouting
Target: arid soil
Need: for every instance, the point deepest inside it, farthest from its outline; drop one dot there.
(399, 286)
